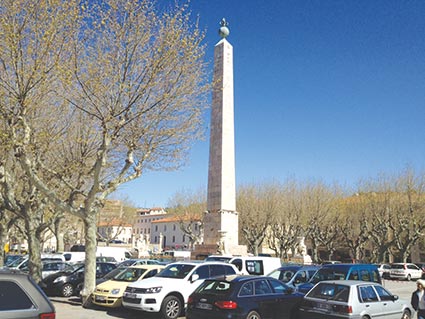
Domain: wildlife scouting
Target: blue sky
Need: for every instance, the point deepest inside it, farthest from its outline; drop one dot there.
(330, 90)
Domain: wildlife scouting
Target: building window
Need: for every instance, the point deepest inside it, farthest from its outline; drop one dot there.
(156, 239)
(196, 227)
(174, 227)
(184, 237)
(156, 228)
(149, 230)
(174, 239)
(165, 227)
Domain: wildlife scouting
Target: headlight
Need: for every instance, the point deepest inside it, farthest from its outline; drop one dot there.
(115, 291)
(59, 279)
(153, 290)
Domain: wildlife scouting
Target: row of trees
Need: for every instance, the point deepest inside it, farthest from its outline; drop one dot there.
(380, 221)
(92, 95)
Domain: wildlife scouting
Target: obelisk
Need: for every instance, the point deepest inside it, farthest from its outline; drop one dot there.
(221, 219)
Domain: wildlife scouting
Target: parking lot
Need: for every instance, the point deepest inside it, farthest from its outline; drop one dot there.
(70, 308)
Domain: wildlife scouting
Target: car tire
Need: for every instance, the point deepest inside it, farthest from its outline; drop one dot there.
(409, 277)
(406, 315)
(67, 290)
(171, 307)
(253, 315)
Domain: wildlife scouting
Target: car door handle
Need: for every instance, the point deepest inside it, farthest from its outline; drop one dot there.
(367, 306)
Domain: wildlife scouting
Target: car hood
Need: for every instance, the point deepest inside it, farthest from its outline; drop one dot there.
(112, 284)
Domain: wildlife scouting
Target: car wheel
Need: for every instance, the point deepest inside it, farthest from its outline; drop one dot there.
(406, 315)
(67, 290)
(171, 307)
(253, 315)
(409, 277)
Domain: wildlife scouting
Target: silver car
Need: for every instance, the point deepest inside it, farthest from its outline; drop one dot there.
(353, 299)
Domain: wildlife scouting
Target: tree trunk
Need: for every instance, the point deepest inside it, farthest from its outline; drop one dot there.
(90, 263)
(3, 237)
(34, 248)
(60, 245)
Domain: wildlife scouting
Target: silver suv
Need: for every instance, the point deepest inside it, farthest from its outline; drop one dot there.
(22, 298)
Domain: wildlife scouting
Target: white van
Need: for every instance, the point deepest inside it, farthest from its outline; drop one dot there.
(256, 265)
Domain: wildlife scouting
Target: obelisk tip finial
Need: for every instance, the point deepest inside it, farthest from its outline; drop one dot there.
(224, 30)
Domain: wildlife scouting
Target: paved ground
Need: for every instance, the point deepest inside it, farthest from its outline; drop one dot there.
(70, 308)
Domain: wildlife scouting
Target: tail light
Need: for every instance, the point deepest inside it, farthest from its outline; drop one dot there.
(190, 300)
(342, 308)
(50, 315)
(226, 304)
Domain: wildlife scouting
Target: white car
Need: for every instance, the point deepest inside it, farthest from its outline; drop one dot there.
(353, 299)
(167, 292)
(406, 271)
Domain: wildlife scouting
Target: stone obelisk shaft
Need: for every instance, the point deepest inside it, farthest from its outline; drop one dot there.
(221, 170)
(221, 224)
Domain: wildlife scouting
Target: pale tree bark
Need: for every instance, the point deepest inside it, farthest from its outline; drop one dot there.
(124, 85)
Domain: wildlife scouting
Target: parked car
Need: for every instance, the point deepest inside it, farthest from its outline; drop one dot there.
(243, 297)
(364, 272)
(352, 299)
(384, 270)
(22, 263)
(405, 271)
(68, 284)
(168, 291)
(109, 293)
(52, 267)
(106, 259)
(294, 275)
(23, 297)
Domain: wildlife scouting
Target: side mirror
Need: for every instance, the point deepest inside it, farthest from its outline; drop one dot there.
(194, 277)
(395, 297)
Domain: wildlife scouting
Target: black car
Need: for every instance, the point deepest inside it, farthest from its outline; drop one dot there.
(67, 284)
(243, 297)
(20, 297)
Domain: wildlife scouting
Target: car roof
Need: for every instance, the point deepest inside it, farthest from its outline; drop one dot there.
(197, 263)
(348, 282)
(343, 266)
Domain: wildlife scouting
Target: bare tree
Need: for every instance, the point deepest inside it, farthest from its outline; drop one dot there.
(130, 83)
(188, 207)
(284, 233)
(258, 206)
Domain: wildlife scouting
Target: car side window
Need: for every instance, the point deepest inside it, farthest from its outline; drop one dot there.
(278, 287)
(237, 263)
(13, 297)
(300, 277)
(354, 275)
(367, 294)
(383, 294)
(203, 272)
(364, 275)
(247, 289)
(261, 287)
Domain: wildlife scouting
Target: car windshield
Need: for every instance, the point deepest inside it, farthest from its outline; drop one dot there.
(175, 271)
(130, 274)
(329, 274)
(16, 262)
(330, 292)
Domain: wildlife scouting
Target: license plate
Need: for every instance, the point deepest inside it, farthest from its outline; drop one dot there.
(100, 298)
(323, 306)
(131, 295)
(205, 306)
